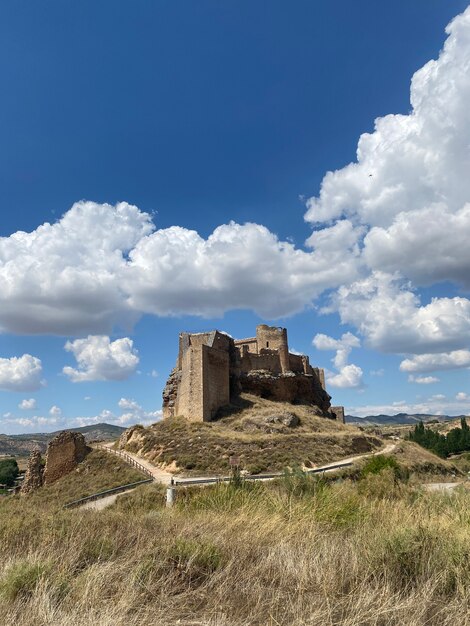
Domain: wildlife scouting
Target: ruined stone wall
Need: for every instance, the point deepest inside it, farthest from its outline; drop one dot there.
(33, 477)
(293, 388)
(338, 412)
(216, 380)
(296, 363)
(320, 374)
(64, 453)
(170, 393)
(268, 360)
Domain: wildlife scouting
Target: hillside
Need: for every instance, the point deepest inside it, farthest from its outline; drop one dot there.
(293, 552)
(398, 418)
(23, 444)
(264, 435)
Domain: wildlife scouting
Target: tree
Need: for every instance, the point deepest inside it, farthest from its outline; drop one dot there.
(8, 472)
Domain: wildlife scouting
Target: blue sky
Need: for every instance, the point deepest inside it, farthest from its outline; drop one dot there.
(134, 133)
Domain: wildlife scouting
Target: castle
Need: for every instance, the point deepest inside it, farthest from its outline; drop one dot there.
(212, 369)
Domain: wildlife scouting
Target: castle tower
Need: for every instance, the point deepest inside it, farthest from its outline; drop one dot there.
(274, 338)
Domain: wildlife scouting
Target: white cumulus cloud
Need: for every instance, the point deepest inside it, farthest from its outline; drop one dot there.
(27, 404)
(55, 411)
(440, 361)
(348, 375)
(22, 373)
(99, 358)
(132, 413)
(409, 192)
(423, 380)
(392, 318)
(102, 266)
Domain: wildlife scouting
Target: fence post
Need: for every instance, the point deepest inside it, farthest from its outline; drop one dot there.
(170, 494)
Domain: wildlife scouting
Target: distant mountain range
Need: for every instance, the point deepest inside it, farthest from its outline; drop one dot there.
(21, 445)
(399, 418)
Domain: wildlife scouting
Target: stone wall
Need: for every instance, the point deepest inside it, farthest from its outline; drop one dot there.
(293, 388)
(215, 381)
(188, 403)
(269, 360)
(338, 412)
(33, 478)
(273, 338)
(64, 453)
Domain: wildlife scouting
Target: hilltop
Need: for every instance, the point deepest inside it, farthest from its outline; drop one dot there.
(264, 435)
(23, 444)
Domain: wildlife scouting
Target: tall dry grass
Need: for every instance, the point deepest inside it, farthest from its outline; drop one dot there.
(297, 552)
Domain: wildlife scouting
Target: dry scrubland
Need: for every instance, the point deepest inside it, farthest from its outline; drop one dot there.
(374, 552)
(256, 432)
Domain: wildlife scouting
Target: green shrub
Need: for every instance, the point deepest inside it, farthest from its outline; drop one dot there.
(195, 560)
(21, 579)
(380, 462)
(298, 483)
(223, 497)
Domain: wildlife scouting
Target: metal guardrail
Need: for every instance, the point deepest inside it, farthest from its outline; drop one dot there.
(175, 482)
(130, 460)
(108, 492)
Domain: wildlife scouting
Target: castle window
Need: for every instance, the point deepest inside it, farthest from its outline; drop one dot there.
(267, 344)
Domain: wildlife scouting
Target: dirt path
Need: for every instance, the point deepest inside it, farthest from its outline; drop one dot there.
(441, 486)
(102, 503)
(159, 475)
(163, 477)
(387, 450)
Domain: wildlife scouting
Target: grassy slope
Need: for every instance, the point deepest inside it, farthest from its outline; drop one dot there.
(98, 472)
(291, 553)
(196, 447)
(424, 463)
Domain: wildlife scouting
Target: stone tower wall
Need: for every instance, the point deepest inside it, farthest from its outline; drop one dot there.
(273, 338)
(216, 381)
(189, 401)
(205, 379)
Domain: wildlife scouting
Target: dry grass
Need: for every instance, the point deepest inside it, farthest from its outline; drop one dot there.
(293, 553)
(205, 448)
(424, 464)
(98, 472)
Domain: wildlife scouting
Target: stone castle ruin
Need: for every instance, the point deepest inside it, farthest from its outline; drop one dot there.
(64, 452)
(212, 369)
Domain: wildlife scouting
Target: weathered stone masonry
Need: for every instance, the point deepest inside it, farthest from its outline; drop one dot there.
(212, 369)
(64, 452)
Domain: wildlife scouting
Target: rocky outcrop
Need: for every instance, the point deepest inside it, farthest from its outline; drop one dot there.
(64, 453)
(33, 477)
(133, 439)
(290, 387)
(170, 391)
